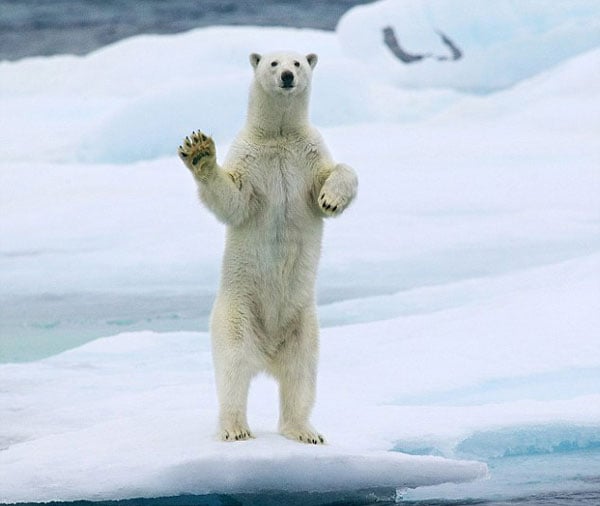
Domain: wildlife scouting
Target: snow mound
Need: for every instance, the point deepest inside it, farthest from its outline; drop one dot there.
(487, 46)
(114, 106)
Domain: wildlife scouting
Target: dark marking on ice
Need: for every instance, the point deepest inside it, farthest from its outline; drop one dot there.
(454, 49)
(389, 37)
(391, 41)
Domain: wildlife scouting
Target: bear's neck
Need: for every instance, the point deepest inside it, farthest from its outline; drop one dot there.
(272, 115)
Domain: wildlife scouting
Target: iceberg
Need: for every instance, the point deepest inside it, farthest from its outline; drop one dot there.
(467, 45)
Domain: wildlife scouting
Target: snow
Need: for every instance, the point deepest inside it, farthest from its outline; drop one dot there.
(150, 399)
(458, 297)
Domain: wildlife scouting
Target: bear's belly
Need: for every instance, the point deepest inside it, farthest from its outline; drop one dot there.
(270, 265)
(279, 257)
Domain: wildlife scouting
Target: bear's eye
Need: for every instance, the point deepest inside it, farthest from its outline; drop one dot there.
(273, 64)
(297, 63)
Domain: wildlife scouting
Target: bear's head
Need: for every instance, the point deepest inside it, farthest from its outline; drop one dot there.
(283, 73)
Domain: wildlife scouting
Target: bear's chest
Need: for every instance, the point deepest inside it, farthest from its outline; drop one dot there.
(284, 176)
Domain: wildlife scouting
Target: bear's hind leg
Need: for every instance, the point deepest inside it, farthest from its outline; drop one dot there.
(295, 367)
(233, 383)
(234, 370)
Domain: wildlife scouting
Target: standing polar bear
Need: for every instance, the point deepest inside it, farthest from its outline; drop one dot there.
(273, 191)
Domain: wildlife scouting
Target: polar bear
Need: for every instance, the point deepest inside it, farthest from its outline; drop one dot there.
(275, 187)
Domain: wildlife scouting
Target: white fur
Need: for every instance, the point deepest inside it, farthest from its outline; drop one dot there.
(273, 191)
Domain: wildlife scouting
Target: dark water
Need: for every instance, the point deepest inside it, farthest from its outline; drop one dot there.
(47, 27)
(339, 499)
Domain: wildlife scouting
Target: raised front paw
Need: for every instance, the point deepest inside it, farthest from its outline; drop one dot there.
(198, 153)
(332, 202)
(304, 435)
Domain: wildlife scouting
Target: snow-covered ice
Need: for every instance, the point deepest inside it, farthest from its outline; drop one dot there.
(501, 42)
(459, 297)
(143, 412)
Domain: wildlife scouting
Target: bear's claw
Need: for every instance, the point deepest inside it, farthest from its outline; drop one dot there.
(236, 434)
(304, 435)
(331, 204)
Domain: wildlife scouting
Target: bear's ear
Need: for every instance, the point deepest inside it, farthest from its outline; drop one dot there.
(312, 59)
(254, 59)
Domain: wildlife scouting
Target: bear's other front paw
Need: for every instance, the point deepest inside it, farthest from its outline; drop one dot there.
(235, 433)
(198, 153)
(331, 202)
(304, 435)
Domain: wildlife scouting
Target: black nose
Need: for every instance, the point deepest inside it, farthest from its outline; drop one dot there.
(287, 78)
